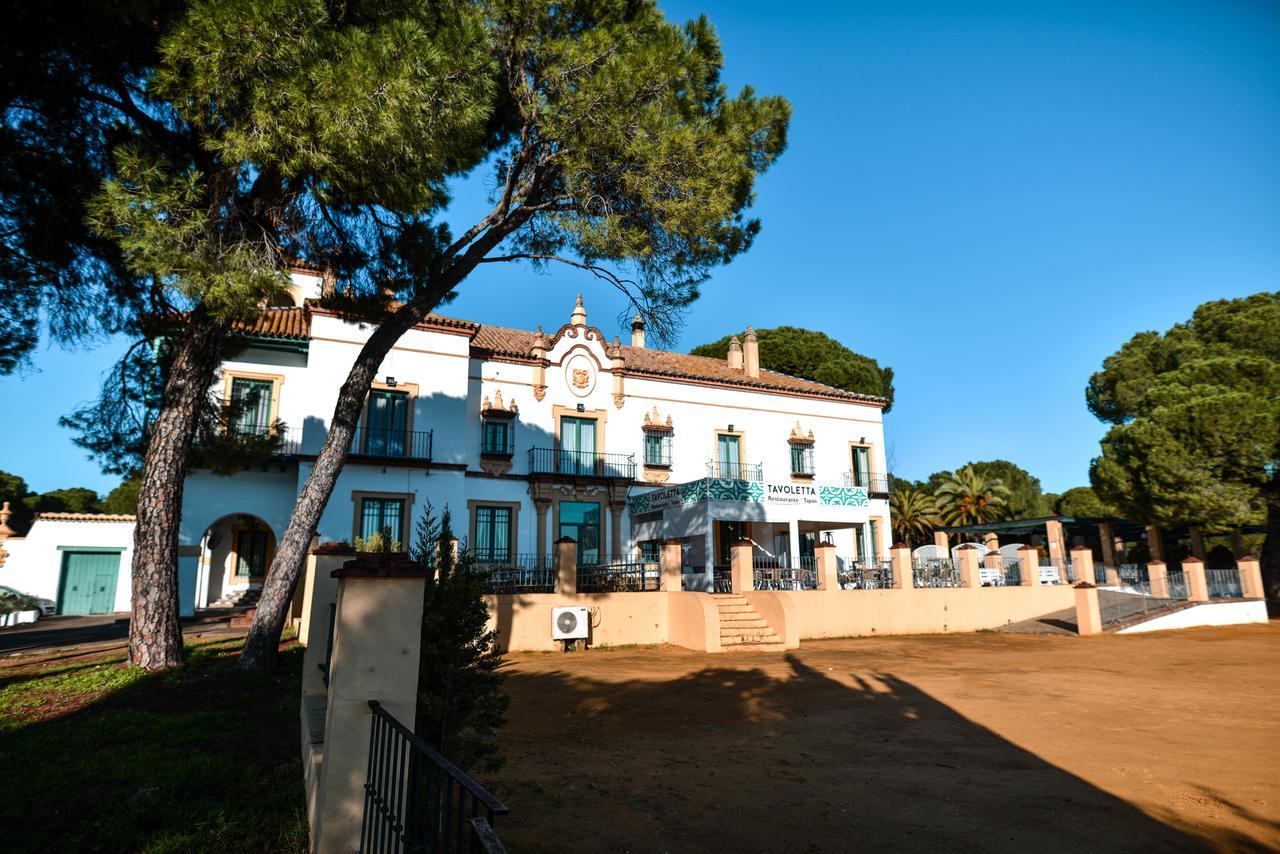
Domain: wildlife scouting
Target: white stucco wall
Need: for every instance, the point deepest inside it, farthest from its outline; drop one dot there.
(34, 565)
(1209, 614)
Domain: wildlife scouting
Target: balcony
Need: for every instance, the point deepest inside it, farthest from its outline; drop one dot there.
(874, 484)
(264, 443)
(735, 471)
(392, 444)
(581, 463)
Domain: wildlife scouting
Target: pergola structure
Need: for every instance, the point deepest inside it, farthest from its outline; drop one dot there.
(1108, 535)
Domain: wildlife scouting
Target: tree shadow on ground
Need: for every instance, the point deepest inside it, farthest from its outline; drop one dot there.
(205, 758)
(739, 760)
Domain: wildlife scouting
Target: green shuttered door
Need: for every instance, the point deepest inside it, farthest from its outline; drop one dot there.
(88, 582)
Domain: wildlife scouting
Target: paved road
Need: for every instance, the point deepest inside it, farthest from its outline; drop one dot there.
(61, 632)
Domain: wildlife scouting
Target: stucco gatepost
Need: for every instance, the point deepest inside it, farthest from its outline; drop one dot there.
(1029, 566)
(566, 566)
(1082, 562)
(741, 572)
(995, 562)
(377, 642)
(941, 540)
(903, 571)
(1197, 542)
(1197, 584)
(969, 575)
(1057, 542)
(1158, 577)
(827, 570)
(1088, 613)
(1154, 544)
(670, 563)
(1250, 577)
(321, 593)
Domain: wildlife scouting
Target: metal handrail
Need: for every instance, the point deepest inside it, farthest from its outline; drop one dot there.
(581, 463)
(735, 471)
(869, 482)
(392, 443)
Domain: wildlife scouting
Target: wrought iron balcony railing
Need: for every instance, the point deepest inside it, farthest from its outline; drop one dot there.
(735, 471)
(268, 442)
(880, 483)
(581, 463)
(392, 443)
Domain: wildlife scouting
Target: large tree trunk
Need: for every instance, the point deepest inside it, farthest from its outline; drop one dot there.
(291, 554)
(155, 637)
(1270, 558)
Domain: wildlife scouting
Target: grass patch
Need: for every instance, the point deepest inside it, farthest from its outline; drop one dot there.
(100, 757)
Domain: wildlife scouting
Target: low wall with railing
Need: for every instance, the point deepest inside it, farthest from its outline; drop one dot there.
(523, 621)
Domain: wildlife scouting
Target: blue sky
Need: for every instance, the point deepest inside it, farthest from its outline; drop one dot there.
(989, 197)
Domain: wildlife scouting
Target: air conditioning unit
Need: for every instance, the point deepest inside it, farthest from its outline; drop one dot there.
(569, 623)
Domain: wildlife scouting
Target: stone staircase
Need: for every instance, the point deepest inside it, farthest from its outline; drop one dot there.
(741, 628)
(246, 598)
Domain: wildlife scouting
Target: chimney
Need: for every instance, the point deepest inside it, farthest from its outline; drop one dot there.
(751, 354)
(637, 332)
(735, 354)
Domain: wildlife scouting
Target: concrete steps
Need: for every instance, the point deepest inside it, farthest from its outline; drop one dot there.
(741, 628)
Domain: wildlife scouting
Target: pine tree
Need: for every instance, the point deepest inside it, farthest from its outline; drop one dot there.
(461, 704)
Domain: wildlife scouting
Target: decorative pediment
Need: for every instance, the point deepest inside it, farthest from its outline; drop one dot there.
(497, 408)
(653, 422)
(799, 437)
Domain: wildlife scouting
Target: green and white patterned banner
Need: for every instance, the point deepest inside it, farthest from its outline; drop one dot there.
(766, 492)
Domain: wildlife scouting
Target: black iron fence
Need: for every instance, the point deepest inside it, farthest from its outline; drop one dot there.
(781, 572)
(1223, 583)
(391, 443)
(936, 572)
(581, 463)
(722, 579)
(1139, 598)
(518, 573)
(416, 800)
(878, 483)
(854, 574)
(735, 471)
(620, 576)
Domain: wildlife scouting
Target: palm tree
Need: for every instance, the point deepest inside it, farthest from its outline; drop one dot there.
(970, 498)
(914, 514)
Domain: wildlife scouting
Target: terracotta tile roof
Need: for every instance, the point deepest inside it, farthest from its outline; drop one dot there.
(85, 517)
(502, 341)
(277, 323)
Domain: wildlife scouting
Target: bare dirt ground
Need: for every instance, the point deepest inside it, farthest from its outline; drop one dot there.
(974, 742)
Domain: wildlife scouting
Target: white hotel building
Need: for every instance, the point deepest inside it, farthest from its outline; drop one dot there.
(528, 437)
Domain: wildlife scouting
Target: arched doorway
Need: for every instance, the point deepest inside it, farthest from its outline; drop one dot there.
(234, 555)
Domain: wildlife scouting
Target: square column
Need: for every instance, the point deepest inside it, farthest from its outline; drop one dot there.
(566, 566)
(1250, 577)
(969, 575)
(1029, 566)
(828, 572)
(1197, 542)
(1082, 561)
(1158, 576)
(541, 507)
(940, 540)
(1154, 544)
(793, 540)
(1088, 614)
(671, 559)
(1107, 536)
(900, 557)
(1197, 584)
(741, 572)
(1057, 542)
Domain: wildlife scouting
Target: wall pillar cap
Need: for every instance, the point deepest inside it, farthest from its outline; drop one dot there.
(742, 542)
(673, 541)
(1028, 549)
(966, 546)
(899, 546)
(1155, 563)
(381, 565)
(1083, 585)
(1192, 559)
(564, 540)
(824, 545)
(1247, 557)
(1081, 549)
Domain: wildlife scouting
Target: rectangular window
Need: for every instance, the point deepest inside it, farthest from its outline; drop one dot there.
(730, 457)
(386, 424)
(251, 554)
(497, 438)
(650, 551)
(801, 460)
(577, 445)
(493, 534)
(859, 474)
(657, 449)
(382, 514)
(251, 406)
